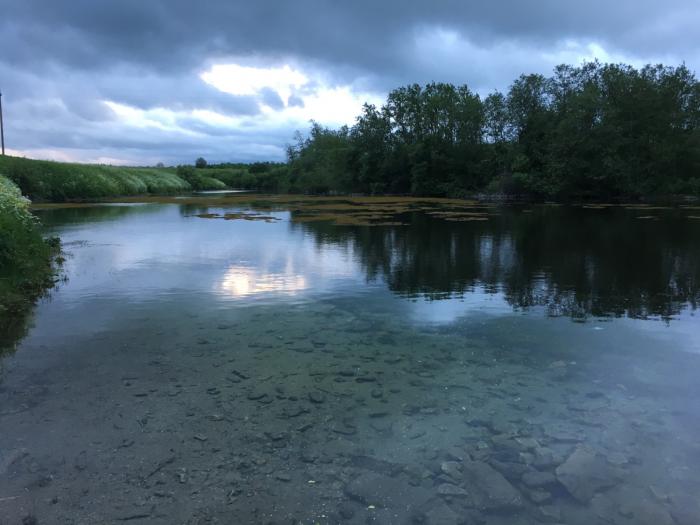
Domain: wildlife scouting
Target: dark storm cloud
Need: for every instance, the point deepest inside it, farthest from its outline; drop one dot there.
(176, 34)
(60, 60)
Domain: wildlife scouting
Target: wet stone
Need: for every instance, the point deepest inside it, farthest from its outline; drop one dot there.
(441, 514)
(492, 491)
(537, 479)
(550, 514)
(260, 395)
(344, 428)
(584, 473)
(544, 458)
(381, 426)
(538, 497)
(283, 476)
(450, 490)
(685, 508)
(511, 471)
(377, 393)
(293, 411)
(371, 488)
(563, 433)
(317, 397)
(452, 468)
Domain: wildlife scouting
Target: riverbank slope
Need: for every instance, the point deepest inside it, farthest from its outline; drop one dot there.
(26, 258)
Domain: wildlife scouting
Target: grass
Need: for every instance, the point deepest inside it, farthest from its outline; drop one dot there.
(51, 181)
(26, 269)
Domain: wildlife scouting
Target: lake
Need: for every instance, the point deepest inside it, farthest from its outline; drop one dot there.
(243, 359)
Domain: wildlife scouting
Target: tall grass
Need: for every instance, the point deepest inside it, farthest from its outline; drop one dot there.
(58, 182)
(25, 259)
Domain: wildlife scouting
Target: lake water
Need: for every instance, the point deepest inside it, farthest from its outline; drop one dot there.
(537, 365)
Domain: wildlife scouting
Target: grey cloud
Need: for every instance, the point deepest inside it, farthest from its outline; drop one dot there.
(60, 60)
(271, 98)
(175, 34)
(295, 101)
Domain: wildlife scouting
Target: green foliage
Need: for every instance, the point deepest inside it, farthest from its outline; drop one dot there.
(595, 131)
(200, 163)
(266, 177)
(57, 181)
(199, 179)
(25, 257)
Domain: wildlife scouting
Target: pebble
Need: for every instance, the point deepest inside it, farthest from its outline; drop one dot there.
(448, 489)
(317, 397)
(452, 468)
(283, 476)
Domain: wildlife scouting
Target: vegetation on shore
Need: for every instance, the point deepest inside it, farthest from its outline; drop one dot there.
(597, 131)
(42, 180)
(26, 259)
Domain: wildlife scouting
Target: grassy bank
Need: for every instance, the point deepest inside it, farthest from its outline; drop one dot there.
(26, 269)
(59, 182)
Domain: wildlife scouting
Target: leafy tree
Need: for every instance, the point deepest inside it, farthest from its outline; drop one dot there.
(593, 131)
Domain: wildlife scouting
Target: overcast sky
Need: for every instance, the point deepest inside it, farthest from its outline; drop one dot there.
(147, 81)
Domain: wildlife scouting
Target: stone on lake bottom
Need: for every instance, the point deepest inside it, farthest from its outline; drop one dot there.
(585, 473)
(492, 492)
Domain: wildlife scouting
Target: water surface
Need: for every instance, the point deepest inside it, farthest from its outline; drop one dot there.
(538, 366)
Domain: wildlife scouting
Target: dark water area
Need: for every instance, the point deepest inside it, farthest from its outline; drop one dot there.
(538, 366)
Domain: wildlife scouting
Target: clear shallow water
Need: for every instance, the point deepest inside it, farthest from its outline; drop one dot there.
(538, 367)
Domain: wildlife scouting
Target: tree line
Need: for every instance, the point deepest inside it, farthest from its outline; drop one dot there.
(594, 131)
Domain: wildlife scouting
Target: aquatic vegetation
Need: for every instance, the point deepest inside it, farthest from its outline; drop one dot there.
(238, 216)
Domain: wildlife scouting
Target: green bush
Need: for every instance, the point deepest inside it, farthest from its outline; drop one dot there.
(25, 257)
(199, 179)
(58, 182)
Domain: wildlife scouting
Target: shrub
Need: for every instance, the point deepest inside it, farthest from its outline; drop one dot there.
(25, 257)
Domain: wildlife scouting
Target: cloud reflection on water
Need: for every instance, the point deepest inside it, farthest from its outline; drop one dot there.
(240, 281)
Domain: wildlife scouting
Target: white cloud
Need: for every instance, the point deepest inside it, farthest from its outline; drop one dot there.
(330, 105)
(244, 80)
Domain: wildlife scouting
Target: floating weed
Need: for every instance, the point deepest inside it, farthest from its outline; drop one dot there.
(238, 216)
(465, 219)
(646, 207)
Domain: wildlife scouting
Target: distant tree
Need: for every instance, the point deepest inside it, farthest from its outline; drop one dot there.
(200, 163)
(160, 165)
(593, 131)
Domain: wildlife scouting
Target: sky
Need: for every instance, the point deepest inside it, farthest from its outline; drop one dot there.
(146, 81)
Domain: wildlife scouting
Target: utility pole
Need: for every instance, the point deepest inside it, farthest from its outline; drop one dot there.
(2, 129)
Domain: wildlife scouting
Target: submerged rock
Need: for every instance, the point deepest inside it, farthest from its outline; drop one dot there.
(371, 488)
(585, 473)
(492, 492)
(452, 468)
(537, 479)
(448, 489)
(317, 397)
(441, 514)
